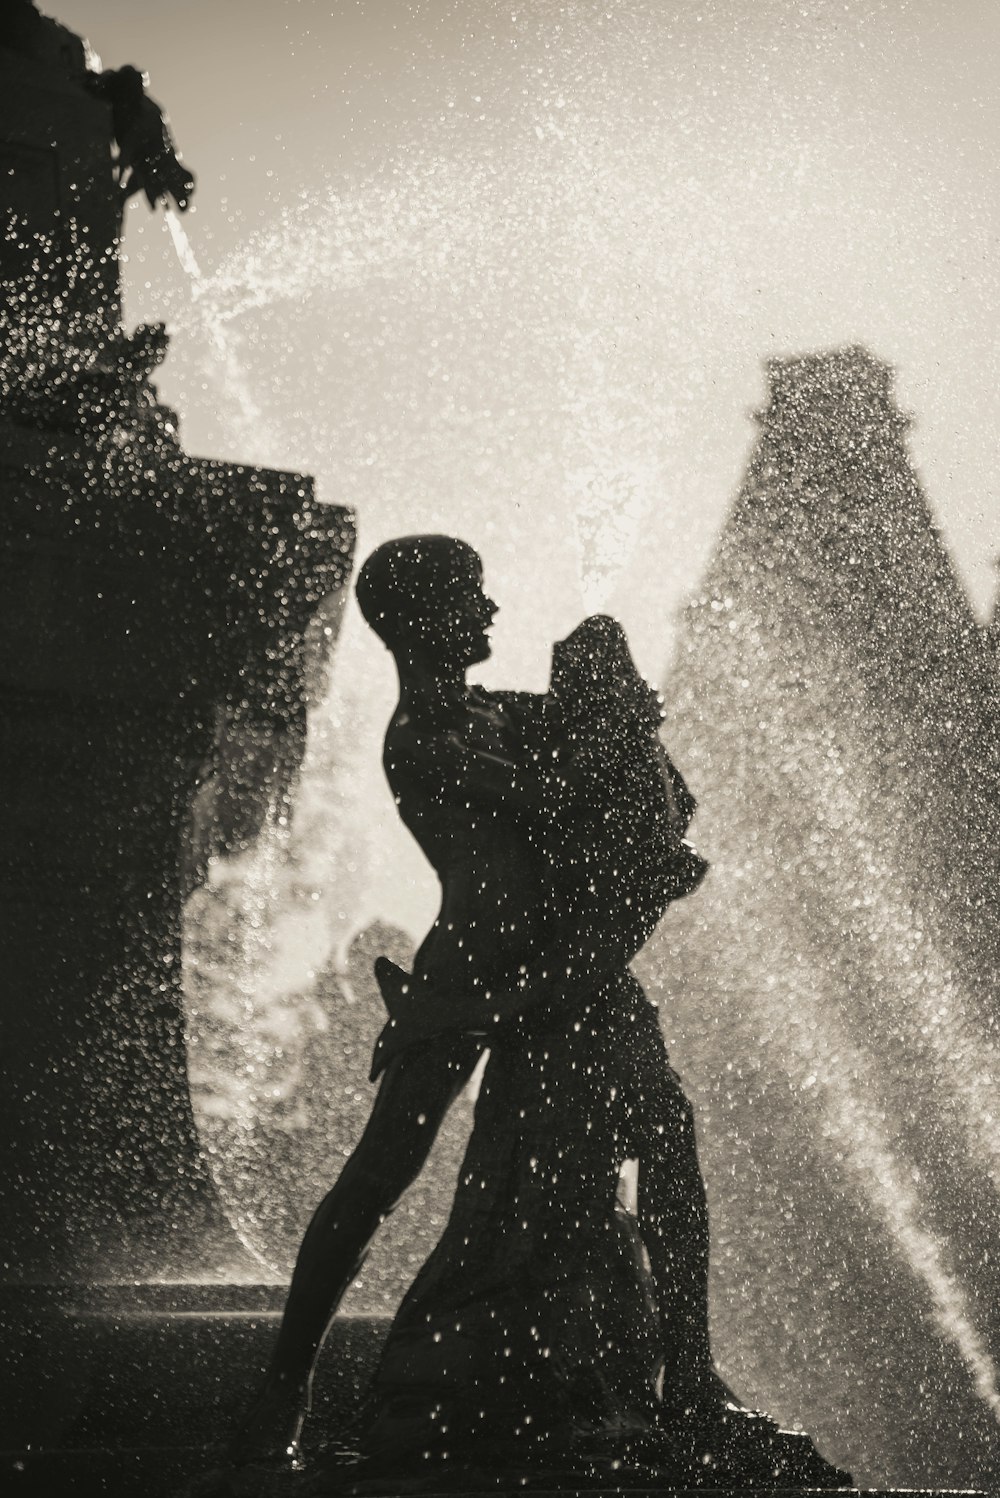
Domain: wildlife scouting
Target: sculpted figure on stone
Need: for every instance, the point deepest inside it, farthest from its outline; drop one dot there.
(555, 1327)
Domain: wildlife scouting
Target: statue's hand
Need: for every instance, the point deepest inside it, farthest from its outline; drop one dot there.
(416, 1012)
(395, 985)
(420, 1012)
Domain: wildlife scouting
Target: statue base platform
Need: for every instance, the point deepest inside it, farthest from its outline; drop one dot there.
(742, 1450)
(131, 1391)
(128, 1390)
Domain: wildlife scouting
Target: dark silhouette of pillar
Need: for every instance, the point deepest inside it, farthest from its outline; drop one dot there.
(151, 601)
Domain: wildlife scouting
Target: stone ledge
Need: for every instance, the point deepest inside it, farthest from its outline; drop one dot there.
(131, 1391)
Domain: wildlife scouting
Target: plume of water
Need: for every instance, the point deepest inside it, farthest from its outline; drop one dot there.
(222, 337)
(819, 995)
(848, 1091)
(238, 1048)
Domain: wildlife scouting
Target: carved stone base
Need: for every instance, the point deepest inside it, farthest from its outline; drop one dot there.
(745, 1450)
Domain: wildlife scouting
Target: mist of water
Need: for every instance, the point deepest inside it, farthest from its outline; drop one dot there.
(252, 417)
(851, 1090)
(568, 426)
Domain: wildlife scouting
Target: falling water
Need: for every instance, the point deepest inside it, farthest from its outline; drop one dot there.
(852, 1121)
(182, 244)
(831, 1026)
(237, 1050)
(222, 338)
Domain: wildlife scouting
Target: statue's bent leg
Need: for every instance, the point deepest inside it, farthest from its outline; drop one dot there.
(673, 1215)
(416, 1092)
(673, 1219)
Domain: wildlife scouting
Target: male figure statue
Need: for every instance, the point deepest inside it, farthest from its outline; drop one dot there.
(471, 773)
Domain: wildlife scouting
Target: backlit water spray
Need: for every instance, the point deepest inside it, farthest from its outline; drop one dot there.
(222, 338)
(851, 1122)
(486, 342)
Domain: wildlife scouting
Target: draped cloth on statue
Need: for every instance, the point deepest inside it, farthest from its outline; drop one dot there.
(530, 1347)
(532, 1327)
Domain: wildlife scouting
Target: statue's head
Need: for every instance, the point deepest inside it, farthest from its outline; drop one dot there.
(424, 598)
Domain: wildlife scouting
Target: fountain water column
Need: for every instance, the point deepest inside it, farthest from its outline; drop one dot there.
(829, 991)
(150, 600)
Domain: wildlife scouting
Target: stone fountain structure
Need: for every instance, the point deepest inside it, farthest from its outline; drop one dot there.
(155, 615)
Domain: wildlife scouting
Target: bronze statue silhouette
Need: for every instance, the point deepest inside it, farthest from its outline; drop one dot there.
(547, 1316)
(148, 160)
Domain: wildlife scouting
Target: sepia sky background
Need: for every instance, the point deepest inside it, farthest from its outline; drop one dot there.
(511, 271)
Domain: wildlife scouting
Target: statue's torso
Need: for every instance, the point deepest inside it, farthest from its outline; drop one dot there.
(483, 848)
